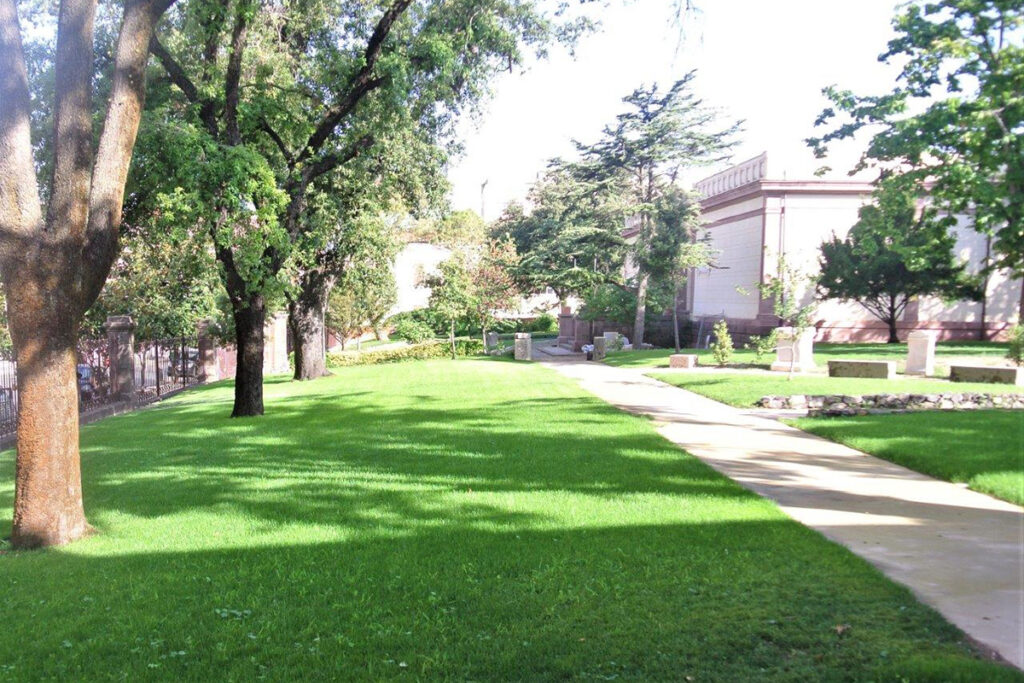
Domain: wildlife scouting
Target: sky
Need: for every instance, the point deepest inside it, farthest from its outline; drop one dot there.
(763, 61)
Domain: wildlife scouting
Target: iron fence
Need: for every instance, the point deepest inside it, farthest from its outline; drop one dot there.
(161, 366)
(165, 365)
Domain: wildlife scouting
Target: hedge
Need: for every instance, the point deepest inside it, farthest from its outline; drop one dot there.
(424, 351)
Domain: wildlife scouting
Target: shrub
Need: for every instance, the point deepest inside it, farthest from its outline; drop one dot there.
(722, 347)
(543, 323)
(1016, 350)
(763, 346)
(413, 331)
(423, 351)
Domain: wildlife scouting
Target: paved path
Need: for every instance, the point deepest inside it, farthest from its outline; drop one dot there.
(959, 551)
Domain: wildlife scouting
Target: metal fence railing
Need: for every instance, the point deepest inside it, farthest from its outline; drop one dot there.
(160, 366)
(165, 365)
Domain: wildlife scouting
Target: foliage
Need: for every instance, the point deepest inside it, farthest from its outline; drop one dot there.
(545, 322)
(1015, 352)
(364, 291)
(452, 294)
(954, 123)
(763, 345)
(493, 282)
(456, 230)
(166, 280)
(891, 255)
(412, 330)
(722, 348)
(611, 303)
(421, 351)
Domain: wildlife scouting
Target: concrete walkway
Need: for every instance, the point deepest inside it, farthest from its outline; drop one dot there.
(959, 551)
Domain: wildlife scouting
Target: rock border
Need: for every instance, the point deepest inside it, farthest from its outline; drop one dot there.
(879, 404)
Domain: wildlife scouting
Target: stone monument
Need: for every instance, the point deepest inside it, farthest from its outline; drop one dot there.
(920, 353)
(600, 348)
(524, 346)
(794, 351)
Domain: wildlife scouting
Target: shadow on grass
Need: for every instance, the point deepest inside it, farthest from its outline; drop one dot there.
(711, 601)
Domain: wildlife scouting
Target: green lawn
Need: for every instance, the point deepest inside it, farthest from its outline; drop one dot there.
(983, 449)
(658, 358)
(469, 520)
(744, 389)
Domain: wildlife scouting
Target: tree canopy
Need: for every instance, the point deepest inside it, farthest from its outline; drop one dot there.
(953, 125)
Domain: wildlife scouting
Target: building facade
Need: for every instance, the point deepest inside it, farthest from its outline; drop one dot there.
(751, 219)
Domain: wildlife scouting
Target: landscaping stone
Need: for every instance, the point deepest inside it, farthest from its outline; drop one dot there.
(920, 353)
(524, 346)
(877, 404)
(791, 350)
(682, 360)
(988, 375)
(874, 369)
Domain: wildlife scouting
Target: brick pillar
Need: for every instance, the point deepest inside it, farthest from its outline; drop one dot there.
(208, 368)
(121, 352)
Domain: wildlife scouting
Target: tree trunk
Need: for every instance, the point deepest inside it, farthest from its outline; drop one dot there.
(1020, 306)
(452, 337)
(894, 337)
(249, 321)
(641, 310)
(48, 506)
(306, 320)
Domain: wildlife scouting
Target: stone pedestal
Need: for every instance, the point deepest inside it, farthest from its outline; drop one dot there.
(600, 348)
(207, 366)
(524, 346)
(920, 353)
(682, 360)
(121, 352)
(793, 351)
(492, 342)
(275, 345)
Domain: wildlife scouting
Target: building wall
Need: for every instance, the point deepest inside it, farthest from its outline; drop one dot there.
(750, 220)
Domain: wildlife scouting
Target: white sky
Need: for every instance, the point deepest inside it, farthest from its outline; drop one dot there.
(764, 61)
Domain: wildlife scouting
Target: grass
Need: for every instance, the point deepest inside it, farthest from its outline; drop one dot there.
(743, 390)
(823, 352)
(983, 449)
(441, 520)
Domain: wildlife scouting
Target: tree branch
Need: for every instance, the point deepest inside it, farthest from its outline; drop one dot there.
(329, 162)
(266, 128)
(114, 154)
(20, 213)
(360, 85)
(178, 76)
(234, 75)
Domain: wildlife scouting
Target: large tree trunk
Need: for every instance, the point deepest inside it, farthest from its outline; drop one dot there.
(306, 321)
(48, 506)
(249, 321)
(641, 310)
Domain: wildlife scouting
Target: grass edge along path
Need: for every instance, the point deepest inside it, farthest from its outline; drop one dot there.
(743, 390)
(472, 519)
(983, 449)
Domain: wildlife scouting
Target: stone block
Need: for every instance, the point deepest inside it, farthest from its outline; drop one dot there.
(920, 353)
(682, 360)
(600, 348)
(873, 369)
(793, 350)
(492, 341)
(524, 346)
(989, 375)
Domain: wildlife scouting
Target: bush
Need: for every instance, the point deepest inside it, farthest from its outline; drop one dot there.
(423, 351)
(413, 331)
(543, 323)
(1016, 350)
(722, 347)
(763, 346)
